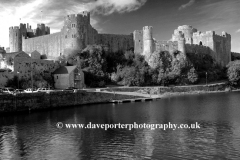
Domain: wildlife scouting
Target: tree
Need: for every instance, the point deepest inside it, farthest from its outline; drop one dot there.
(9, 61)
(192, 76)
(93, 62)
(233, 72)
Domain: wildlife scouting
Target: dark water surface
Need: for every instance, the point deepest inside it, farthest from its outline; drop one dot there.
(35, 135)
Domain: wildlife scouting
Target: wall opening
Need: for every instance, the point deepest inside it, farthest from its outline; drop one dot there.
(200, 43)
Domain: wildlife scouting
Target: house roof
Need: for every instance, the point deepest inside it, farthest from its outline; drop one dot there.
(15, 54)
(64, 70)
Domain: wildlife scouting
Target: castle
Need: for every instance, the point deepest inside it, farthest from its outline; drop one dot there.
(77, 33)
(186, 39)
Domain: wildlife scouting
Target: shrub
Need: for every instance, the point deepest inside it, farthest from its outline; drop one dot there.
(233, 72)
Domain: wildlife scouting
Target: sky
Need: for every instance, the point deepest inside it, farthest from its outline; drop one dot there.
(125, 16)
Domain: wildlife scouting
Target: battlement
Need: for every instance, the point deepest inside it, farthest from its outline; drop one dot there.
(137, 31)
(147, 27)
(86, 13)
(13, 28)
(184, 27)
(207, 33)
(82, 14)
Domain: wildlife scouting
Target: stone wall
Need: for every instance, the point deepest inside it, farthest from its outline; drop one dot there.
(193, 48)
(50, 45)
(138, 41)
(37, 101)
(116, 42)
(161, 89)
(223, 48)
(167, 46)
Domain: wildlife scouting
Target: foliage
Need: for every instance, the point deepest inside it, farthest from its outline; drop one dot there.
(9, 61)
(203, 63)
(93, 62)
(233, 72)
(39, 81)
(159, 68)
(62, 60)
(44, 56)
(13, 83)
(192, 76)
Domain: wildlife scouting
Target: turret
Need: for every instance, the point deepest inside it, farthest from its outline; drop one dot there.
(181, 46)
(138, 41)
(14, 39)
(147, 40)
(76, 31)
(187, 32)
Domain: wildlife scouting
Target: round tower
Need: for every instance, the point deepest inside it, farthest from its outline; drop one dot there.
(147, 40)
(181, 46)
(15, 39)
(187, 32)
(75, 32)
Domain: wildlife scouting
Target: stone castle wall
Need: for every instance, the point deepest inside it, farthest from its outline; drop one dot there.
(170, 46)
(194, 48)
(138, 41)
(116, 42)
(222, 48)
(50, 45)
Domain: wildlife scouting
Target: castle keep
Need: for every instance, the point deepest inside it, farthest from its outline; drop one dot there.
(77, 33)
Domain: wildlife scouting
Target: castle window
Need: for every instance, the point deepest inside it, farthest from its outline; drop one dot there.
(16, 34)
(200, 43)
(73, 25)
(66, 36)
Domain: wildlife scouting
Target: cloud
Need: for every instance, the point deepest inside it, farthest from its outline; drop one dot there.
(107, 7)
(191, 2)
(51, 12)
(238, 31)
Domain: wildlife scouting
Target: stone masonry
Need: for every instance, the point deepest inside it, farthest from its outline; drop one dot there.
(186, 39)
(77, 33)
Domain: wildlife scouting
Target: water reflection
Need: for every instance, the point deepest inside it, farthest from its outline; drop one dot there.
(35, 136)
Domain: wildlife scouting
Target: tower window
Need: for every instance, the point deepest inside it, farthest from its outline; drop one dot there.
(200, 43)
(73, 25)
(65, 36)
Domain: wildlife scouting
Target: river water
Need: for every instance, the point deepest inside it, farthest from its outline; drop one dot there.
(35, 135)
